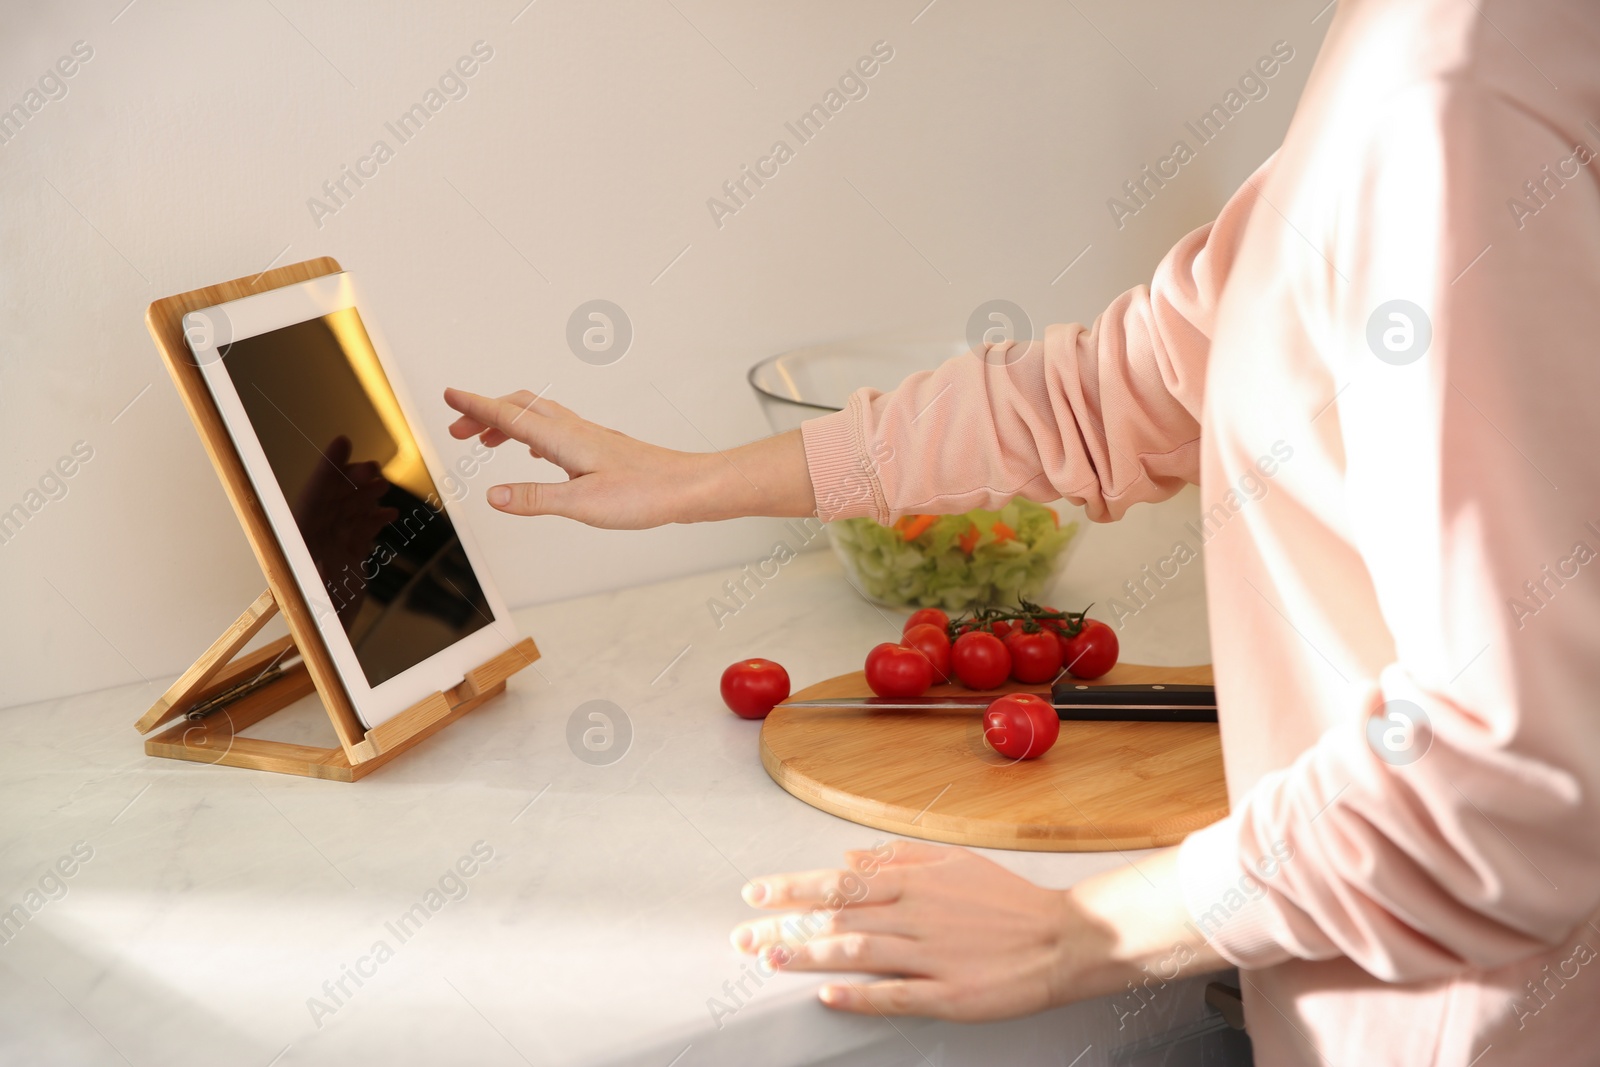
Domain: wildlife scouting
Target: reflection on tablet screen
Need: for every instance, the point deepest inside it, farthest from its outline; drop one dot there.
(365, 504)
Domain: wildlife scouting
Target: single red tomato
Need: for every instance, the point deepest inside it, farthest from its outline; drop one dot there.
(751, 687)
(980, 660)
(1021, 726)
(929, 617)
(897, 671)
(934, 642)
(1035, 657)
(1002, 629)
(1091, 652)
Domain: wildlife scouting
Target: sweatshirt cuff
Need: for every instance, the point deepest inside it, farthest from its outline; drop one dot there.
(843, 476)
(1227, 895)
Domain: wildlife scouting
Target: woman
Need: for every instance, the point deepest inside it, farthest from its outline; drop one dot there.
(1379, 363)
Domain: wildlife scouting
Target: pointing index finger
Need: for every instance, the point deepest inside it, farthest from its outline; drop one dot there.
(508, 414)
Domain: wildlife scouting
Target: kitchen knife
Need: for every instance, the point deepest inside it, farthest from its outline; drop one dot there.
(1073, 701)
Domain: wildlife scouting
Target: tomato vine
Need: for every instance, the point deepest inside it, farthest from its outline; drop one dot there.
(1031, 617)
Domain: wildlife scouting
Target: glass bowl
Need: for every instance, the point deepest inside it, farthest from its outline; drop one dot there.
(808, 382)
(954, 562)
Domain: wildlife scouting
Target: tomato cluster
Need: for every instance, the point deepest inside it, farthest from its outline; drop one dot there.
(1032, 645)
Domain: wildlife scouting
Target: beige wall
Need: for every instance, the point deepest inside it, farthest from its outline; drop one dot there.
(185, 149)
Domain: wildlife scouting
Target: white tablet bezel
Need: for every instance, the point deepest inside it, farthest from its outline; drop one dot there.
(208, 333)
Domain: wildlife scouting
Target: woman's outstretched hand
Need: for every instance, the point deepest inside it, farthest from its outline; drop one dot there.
(619, 483)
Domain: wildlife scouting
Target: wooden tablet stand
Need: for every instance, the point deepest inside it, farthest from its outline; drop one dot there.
(228, 695)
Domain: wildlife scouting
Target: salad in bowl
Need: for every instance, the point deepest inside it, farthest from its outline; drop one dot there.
(954, 562)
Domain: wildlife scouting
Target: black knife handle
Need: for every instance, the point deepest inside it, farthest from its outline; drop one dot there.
(1155, 702)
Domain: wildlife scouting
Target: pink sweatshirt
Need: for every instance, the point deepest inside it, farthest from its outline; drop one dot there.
(1402, 518)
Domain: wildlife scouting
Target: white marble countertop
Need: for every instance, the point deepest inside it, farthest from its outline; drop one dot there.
(215, 903)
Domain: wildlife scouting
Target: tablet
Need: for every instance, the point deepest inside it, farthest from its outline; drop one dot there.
(387, 565)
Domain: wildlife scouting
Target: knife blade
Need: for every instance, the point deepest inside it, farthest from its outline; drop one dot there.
(1073, 701)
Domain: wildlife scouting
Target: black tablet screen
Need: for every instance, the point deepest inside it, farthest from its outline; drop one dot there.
(347, 463)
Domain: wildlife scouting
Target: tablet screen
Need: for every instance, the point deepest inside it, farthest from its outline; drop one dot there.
(349, 467)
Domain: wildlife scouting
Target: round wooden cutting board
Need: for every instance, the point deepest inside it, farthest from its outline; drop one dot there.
(928, 774)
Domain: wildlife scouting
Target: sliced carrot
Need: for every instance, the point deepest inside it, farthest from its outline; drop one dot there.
(969, 540)
(1003, 533)
(916, 526)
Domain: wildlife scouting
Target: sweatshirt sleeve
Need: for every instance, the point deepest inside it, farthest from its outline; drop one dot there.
(1105, 416)
(1450, 820)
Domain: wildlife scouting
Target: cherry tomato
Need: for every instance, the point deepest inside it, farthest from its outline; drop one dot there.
(980, 660)
(1035, 657)
(1002, 629)
(927, 616)
(1021, 726)
(751, 687)
(1092, 652)
(897, 671)
(934, 642)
